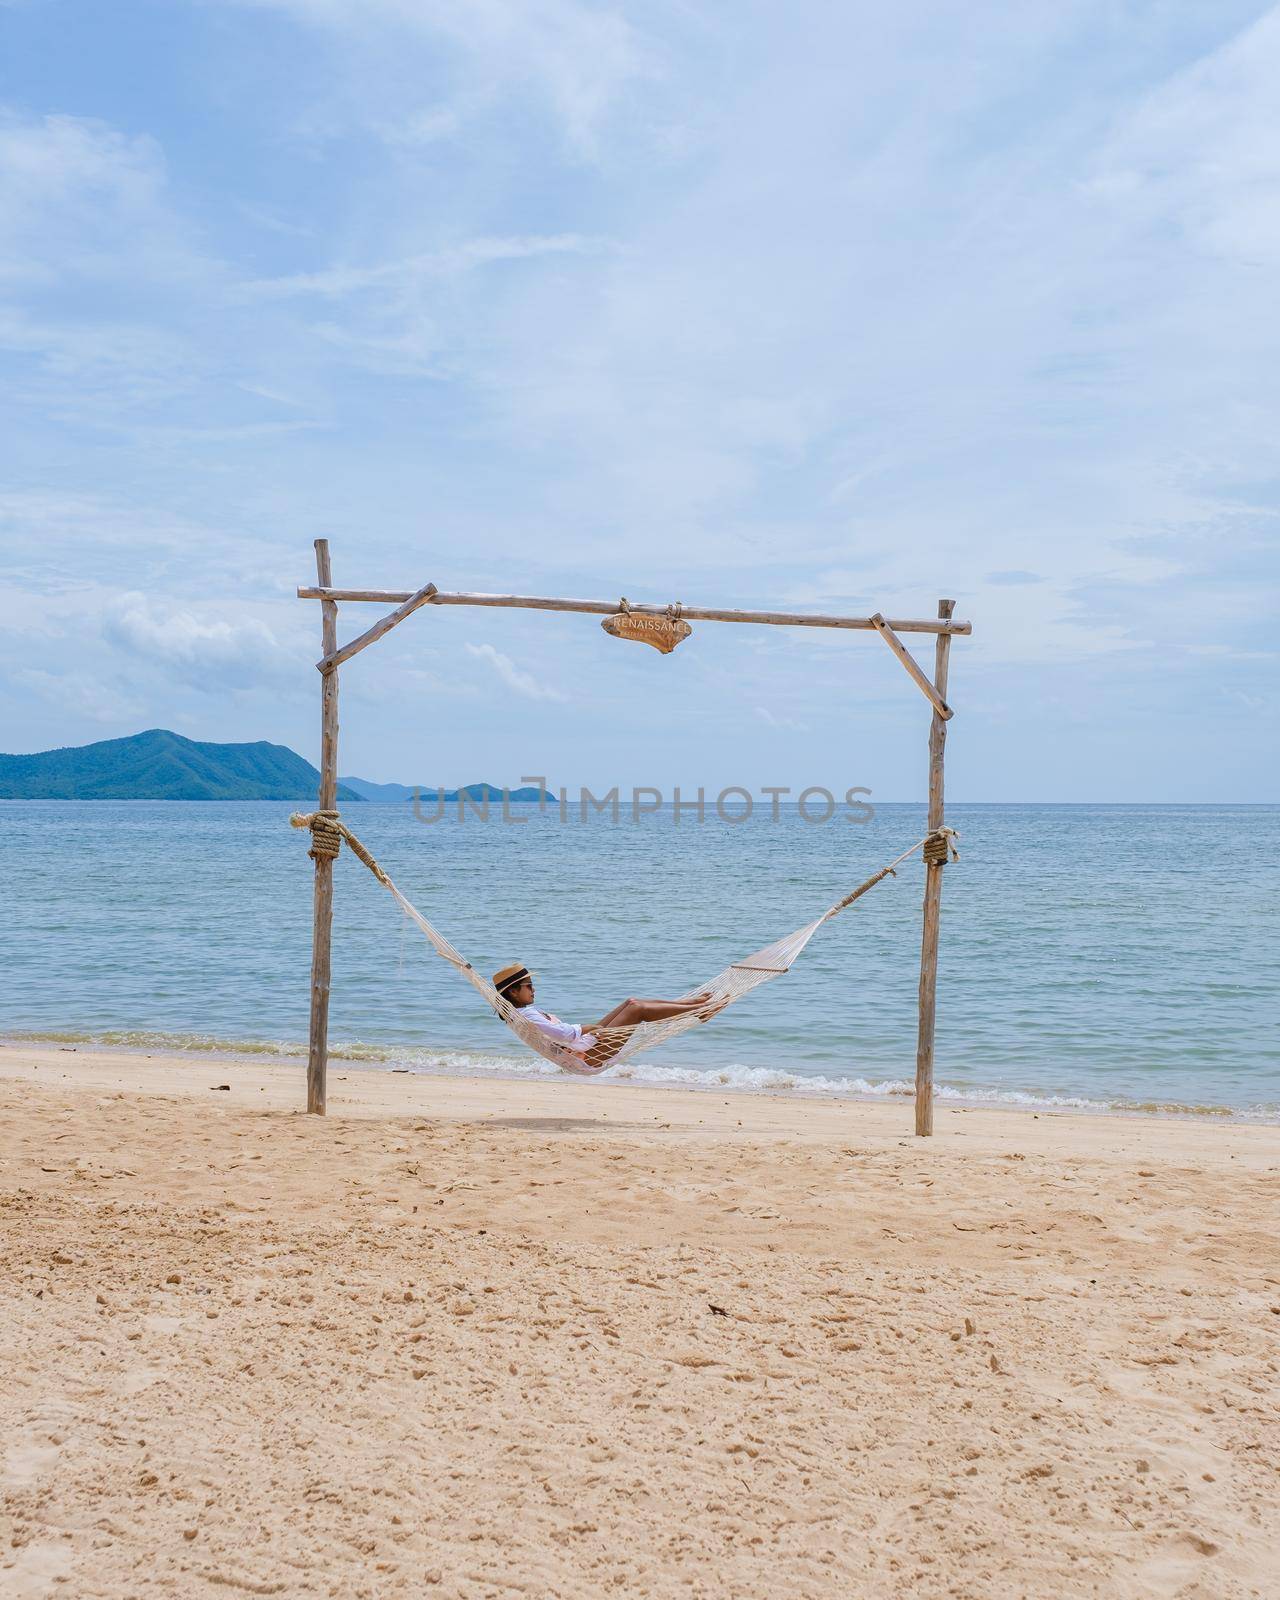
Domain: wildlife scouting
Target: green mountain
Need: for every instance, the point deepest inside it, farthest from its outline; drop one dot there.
(158, 765)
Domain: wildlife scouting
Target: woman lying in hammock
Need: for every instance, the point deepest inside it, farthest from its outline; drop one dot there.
(595, 1042)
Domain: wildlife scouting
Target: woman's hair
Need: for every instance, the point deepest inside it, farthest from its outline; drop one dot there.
(511, 984)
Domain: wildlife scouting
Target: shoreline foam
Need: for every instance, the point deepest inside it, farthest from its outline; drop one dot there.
(734, 1078)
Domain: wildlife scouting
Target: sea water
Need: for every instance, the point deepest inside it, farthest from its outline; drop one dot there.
(1092, 957)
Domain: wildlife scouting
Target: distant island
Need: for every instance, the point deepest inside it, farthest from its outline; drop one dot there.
(388, 793)
(160, 765)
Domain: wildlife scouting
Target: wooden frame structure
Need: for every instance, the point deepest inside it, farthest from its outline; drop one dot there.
(934, 689)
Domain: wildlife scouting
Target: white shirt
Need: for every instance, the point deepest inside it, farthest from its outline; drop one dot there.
(565, 1033)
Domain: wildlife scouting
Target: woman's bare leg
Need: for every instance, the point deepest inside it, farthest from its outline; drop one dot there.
(612, 1029)
(633, 1011)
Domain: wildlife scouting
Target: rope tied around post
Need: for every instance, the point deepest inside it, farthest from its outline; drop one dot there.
(939, 847)
(327, 833)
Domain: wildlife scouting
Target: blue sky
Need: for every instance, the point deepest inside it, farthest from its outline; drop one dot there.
(820, 307)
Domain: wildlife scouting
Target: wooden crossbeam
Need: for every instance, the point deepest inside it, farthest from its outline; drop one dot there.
(914, 670)
(381, 627)
(608, 608)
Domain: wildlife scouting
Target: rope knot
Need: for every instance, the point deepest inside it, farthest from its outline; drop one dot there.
(939, 848)
(326, 833)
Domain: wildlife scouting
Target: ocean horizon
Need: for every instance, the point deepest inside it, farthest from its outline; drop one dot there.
(1094, 957)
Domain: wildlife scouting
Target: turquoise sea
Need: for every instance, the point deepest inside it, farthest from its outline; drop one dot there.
(1091, 956)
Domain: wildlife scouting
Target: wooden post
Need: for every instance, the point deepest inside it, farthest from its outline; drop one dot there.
(322, 920)
(932, 891)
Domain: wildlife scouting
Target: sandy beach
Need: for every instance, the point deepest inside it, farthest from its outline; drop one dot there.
(481, 1338)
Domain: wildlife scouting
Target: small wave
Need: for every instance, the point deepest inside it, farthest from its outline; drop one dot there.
(735, 1078)
(200, 1043)
(778, 1080)
(179, 1043)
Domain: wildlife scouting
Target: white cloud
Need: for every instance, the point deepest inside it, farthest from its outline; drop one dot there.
(79, 545)
(210, 650)
(107, 286)
(81, 694)
(426, 127)
(126, 361)
(576, 59)
(337, 282)
(784, 724)
(1203, 151)
(710, 304)
(123, 660)
(517, 680)
(79, 199)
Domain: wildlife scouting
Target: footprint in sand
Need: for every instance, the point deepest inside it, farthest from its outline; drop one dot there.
(34, 1570)
(35, 1446)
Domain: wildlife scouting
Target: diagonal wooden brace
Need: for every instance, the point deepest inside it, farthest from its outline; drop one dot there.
(913, 669)
(385, 625)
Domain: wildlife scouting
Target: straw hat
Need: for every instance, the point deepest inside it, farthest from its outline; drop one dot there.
(507, 977)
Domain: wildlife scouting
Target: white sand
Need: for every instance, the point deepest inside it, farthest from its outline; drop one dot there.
(476, 1338)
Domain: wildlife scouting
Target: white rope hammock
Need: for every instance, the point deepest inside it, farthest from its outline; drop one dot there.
(614, 1045)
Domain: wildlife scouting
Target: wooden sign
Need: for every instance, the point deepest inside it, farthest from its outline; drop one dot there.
(663, 632)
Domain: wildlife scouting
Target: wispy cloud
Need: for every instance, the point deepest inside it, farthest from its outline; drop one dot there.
(577, 60)
(515, 678)
(82, 695)
(706, 303)
(82, 201)
(1202, 151)
(336, 282)
(784, 724)
(104, 286)
(1012, 579)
